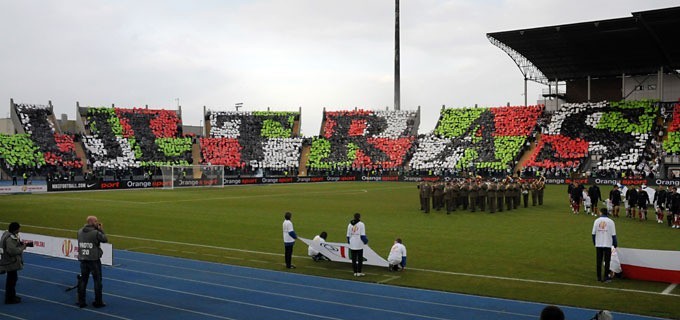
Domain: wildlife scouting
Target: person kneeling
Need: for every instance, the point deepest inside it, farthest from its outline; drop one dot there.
(397, 257)
(317, 241)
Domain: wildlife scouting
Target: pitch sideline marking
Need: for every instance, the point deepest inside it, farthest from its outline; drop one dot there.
(417, 269)
(669, 289)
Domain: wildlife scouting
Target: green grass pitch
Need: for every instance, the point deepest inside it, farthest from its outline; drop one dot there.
(542, 254)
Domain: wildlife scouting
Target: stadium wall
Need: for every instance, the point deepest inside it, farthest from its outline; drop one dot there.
(233, 181)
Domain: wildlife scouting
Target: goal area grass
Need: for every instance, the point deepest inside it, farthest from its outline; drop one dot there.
(543, 253)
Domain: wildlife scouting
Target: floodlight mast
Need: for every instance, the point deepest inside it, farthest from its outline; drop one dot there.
(397, 77)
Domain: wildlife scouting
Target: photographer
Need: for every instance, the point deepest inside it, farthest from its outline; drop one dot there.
(12, 260)
(90, 237)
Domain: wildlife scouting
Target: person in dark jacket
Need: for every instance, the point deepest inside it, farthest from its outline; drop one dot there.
(12, 260)
(660, 203)
(642, 202)
(575, 195)
(90, 238)
(595, 196)
(631, 200)
(615, 198)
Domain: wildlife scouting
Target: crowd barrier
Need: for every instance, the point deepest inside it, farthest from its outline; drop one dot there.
(230, 181)
(66, 248)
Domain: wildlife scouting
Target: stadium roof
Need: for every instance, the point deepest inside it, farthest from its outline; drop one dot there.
(636, 45)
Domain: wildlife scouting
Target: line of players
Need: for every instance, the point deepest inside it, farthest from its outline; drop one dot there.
(636, 201)
(478, 194)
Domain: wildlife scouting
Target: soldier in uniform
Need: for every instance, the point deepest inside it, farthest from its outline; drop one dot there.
(500, 195)
(525, 193)
(540, 187)
(533, 186)
(516, 193)
(507, 186)
(463, 195)
(425, 194)
(438, 196)
(482, 194)
(491, 196)
(420, 187)
(472, 194)
(453, 197)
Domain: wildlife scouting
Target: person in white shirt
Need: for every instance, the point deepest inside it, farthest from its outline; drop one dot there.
(356, 237)
(289, 237)
(587, 203)
(317, 241)
(604, 237)
(397, 256)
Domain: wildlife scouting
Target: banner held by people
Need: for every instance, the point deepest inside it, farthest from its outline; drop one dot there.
(339, 252)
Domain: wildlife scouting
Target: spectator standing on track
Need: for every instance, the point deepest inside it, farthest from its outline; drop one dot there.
(397, 256)
(595, 196)
(11, 260)
(552, 313)
(604, 237)
(615, 198)
(318, 240)
(289, 237)
(356, 237)
(90, 238)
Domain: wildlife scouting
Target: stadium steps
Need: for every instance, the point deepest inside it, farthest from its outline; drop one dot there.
(527, 154)
(196, 152)
(304, 157)
(80, 153)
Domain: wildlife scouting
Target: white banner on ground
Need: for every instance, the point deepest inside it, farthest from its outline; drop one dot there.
(23, 189)
(61, 247)
(650, 265)
(339, 252)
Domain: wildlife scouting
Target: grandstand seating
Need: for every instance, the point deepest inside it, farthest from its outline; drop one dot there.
(19, 151)
(619, 132)
(252, 140)
(364, 139)
(489, 139)
(672, 143)
(57, 149)
(132, 138)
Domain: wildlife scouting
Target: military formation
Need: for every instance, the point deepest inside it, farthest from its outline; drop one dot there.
(476, 194)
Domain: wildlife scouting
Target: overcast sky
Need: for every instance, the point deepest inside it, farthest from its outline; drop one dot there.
(282, 54)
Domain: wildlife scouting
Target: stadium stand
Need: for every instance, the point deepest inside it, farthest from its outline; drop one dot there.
(57, 149)
(487, 141)
(616, 136)
(245, 142)
(362, 140)
(124, 139)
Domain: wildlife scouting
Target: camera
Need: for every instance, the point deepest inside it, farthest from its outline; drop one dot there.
(29, 244)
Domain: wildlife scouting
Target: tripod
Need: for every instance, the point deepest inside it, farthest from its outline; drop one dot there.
(77, 283)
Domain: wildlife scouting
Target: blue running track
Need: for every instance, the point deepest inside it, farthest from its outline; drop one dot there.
(145, 286)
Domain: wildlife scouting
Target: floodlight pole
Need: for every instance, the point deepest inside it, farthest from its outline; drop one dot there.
(397, 77)
(525, 92)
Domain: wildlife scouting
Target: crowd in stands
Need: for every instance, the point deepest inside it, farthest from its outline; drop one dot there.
(616, 136)
(483, 140)
(56, 149)
(249, 142)
(605, 140)
(363, 141)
